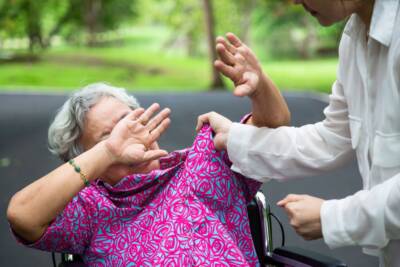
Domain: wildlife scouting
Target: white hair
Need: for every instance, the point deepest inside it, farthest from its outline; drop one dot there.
(68, 124)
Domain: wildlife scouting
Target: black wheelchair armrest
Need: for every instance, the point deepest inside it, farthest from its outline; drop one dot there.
(261, 229)
(307, 257)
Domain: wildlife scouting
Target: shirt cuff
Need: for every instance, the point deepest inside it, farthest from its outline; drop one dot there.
(333, 225)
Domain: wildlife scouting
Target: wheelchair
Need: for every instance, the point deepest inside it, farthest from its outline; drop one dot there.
(260, 216)
(261, 230)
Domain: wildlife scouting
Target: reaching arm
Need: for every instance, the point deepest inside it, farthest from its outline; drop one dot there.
(286, 152)
(369, 218)
(290, 152)
(32, 209)
(238, 63)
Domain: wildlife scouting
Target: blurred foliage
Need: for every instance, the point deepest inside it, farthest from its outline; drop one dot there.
(284, 30)
(39, 21)
(175, 33)
(185, 20)
(275, 28)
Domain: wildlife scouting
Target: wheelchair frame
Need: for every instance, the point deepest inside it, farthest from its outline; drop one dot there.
(260, 217)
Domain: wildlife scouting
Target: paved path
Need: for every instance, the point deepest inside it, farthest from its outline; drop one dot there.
(23, 158)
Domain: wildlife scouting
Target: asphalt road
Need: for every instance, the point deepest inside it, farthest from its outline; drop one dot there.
(24, 120)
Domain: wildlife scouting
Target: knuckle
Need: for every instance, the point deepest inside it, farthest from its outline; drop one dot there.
(295, 210)
(244, 50)
(294, 223)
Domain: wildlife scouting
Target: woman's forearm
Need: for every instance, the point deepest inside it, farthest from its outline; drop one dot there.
(269, 108)
(32, 209)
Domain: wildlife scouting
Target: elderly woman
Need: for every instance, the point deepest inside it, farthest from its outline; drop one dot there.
(119, 200)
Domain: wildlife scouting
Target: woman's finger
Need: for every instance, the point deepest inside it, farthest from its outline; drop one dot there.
(228, 46)
(234, 40)
(145, 117)
(155, 134)
(203, 119)
(225, 55)
(289, 208)
(156, 120)
(242, 90)
(226, 70)
(134, 114)
(289, 198)
(154, 154)
(240, 59)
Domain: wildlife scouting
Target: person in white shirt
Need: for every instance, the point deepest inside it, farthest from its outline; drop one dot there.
(363, 116)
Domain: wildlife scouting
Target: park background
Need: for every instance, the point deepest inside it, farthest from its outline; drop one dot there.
(158, 45)
(160, 50)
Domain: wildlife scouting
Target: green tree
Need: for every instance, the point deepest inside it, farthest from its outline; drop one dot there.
(96, 16)
(19, 18)
(41, 20)
(217, 83)
(184, 20)
(240, 19)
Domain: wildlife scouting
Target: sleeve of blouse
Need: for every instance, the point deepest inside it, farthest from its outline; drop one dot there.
(291, 152)
(70, 232)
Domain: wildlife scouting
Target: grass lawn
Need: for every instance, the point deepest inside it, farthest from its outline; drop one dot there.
(314, 75)
(141, 66)
(68, 70)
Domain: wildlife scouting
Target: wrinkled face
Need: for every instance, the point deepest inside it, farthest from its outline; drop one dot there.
(99, 122)
(328, 12)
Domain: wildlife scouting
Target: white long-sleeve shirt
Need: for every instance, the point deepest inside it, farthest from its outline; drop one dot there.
(363, 116)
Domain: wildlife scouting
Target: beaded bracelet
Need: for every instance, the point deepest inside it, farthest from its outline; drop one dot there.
(78, 170)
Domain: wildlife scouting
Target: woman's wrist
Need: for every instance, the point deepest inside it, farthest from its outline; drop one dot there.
(109, 157)
(263, 86)
(95, 161)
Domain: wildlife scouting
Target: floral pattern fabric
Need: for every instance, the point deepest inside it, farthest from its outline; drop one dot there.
(191, 212)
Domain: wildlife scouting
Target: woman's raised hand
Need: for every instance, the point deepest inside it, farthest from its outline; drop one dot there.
(130, 142)
(238, 63)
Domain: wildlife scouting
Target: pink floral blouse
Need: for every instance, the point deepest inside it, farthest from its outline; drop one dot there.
(191, 212)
